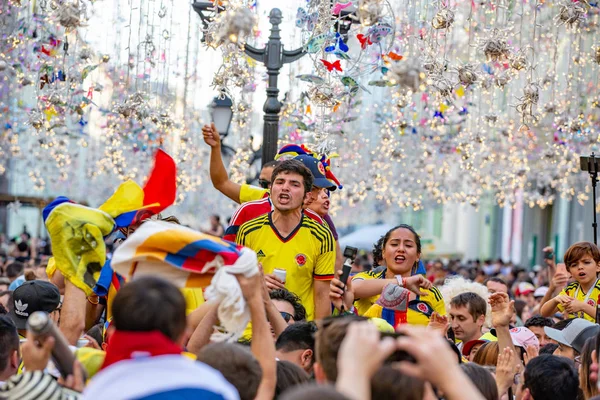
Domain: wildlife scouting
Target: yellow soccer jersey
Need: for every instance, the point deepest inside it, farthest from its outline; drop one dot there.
(574, 290)
(307, 254)
(418, 310)
(251, 193)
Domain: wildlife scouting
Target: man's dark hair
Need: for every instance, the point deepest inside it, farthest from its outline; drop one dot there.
(149, 304)
(287, 296)
(549, 348)
(332, 331)
(95, 333)
(296, 167)
(551, 378)
(560, 325)
(390, 384)
(23, 246)
(298, 336)
(288, 376)
(474, 303)
(538, 320)
(237, 364)
(497, 280)
(9, 341)
(312, 391)
(482, 379)
(14, 269)
(217, 217)
(271, 164)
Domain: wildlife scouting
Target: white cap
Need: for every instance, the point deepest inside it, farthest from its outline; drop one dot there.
(540, 292)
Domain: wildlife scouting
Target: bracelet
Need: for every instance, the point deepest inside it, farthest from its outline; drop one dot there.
(401, 281)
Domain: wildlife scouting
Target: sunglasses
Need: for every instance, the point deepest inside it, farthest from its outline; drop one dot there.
(263, 183)
(286, 316)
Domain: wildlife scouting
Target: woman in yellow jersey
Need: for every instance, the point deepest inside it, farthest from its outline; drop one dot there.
(378, 293)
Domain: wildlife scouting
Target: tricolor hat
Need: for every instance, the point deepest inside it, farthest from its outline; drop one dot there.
(524, 288)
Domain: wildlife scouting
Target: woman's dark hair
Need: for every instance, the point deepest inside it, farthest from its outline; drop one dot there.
(380, 245)
(482, 379)
(288, 376)
(589, 388)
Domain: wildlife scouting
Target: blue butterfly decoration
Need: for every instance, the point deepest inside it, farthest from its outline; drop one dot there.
(339, 46)
(438, 114)
(82, 122)
(60, 75)
(487, 69)
(463, 111)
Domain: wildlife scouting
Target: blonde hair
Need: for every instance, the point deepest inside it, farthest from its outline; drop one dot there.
(456, 285)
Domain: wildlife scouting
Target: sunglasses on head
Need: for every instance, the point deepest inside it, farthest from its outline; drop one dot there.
(286, 316)
(263, 183)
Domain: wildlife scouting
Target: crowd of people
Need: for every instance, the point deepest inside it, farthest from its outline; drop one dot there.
(266, 313)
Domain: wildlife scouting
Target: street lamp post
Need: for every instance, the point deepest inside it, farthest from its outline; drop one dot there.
(273, 56)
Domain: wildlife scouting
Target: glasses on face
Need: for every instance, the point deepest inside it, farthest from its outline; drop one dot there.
(286, 316)
(263, 183)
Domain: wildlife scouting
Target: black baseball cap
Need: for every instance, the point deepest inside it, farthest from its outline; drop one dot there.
(33, 296)
(318, 170)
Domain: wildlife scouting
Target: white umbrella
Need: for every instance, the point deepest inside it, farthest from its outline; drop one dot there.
(365, 238)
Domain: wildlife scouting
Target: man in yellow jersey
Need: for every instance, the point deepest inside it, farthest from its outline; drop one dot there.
(300, 249)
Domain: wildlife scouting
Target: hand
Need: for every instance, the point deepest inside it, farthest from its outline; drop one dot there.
(211, 136)
(559, 280)
(438, 323)
(362, 351)
(36, 352)
(548, 262)
(249, 285)
(273, 282)
(92, 343)
(506, 368)
(563, 299)
(435, 360)
(416, 282)
(574, 306)
(502, 309)
(76, 381)
(531, 352)
(338, 296)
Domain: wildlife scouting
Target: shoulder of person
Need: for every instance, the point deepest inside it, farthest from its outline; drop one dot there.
(147, 376)
(314, 216)
(571, 286)
(436, 293)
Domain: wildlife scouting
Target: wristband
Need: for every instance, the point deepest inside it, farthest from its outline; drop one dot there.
(401, 281)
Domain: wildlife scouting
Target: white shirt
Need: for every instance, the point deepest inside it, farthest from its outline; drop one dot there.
(148, 377)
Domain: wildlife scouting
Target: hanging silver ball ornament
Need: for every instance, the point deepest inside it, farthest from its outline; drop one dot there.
(85, 54)
(550, 108)
(518, 62)
(35, 120)
(467, 75)
(3, 65)
(491, 118)
(54, 98)
(531, 93)
(369, 11)
(443, 19)
(69, 15)
(571, 13)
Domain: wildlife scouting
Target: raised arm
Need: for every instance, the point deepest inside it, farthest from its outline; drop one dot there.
(263, 346)
(218, 173)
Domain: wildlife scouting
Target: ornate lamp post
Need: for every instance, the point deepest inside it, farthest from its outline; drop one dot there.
(273, 56)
